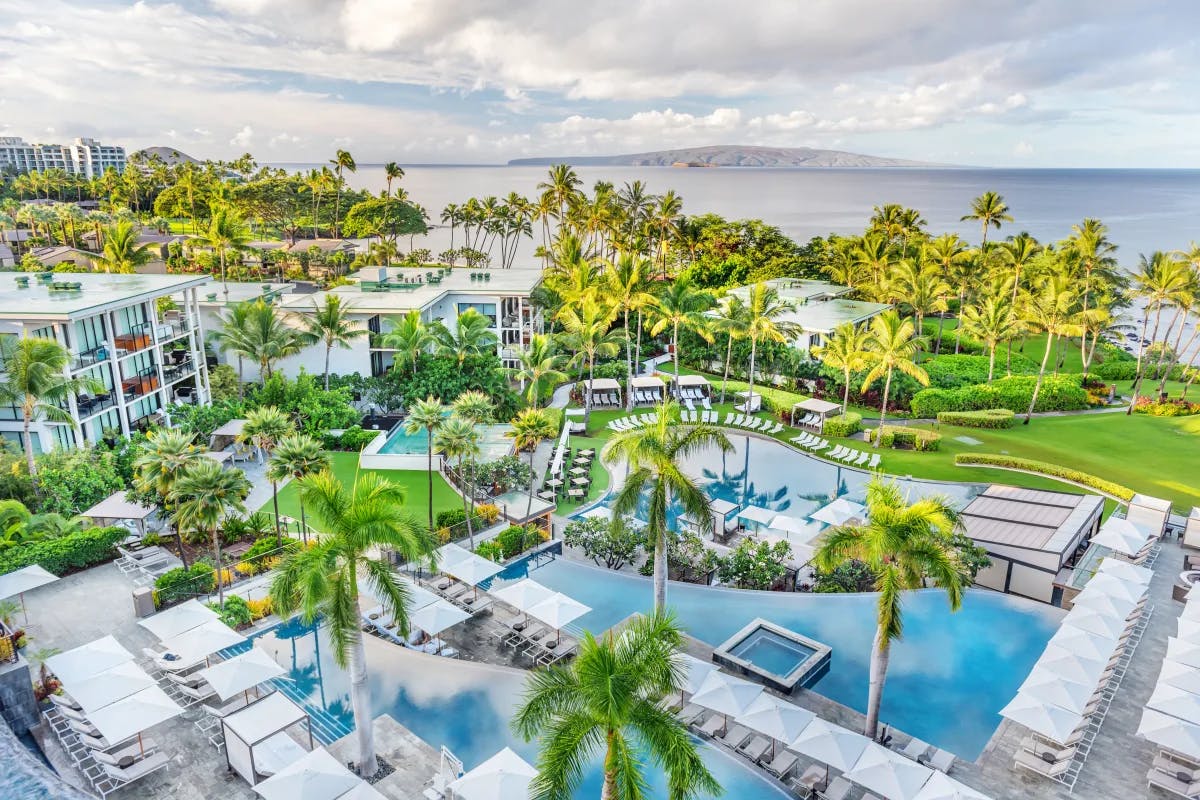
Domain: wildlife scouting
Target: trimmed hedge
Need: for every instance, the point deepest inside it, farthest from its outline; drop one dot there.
(181, 584)
(956, 371)
(1058, 393)
(991, 418)
(1045, 468)
(351, 440)
(843, 425)
(66, 554)
(902, 438)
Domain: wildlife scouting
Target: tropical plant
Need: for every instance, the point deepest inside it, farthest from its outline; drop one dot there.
(844, 350)
(587, 332)
(264, 428)
(989, 210)
(764, 308)
(342, 160)
(472, 336)
(627, 285)
(539, 368)
(203, 496)
(330, 324)
(892, 346)
(410, 337)
(268, 338)
(232, 335)
(1050, 308)
(121, 252)
(166, 454)
(458, 439)
(991, 322)
(1160, 281)
(297, 456)
(226, 231)
(426, 415)
(681, 305)
(531, 427)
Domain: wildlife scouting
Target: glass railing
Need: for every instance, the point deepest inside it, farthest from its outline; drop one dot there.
(173, 370)
(88, 404)
(141, 384)
(90, 358)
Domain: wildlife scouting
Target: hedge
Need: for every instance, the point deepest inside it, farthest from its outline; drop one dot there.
(180, 584)
(1058, 393)
(902, 438)
(351, 440)
(1045, 468)
(66, 554)
(956, 371)
(992, 418)
(843, 425)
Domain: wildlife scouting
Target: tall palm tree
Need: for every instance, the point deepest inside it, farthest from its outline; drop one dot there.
(764, 310)
(165, 455)
(121, 252)
(1090, 246)
(472, 336)
(587, 331)
(458, 439)
(205, 495)
(874, 256)
(341, 161)
(923, 288)
(426, 415)
(392, 172)
(627, 286)
(322, 581)
(410, 338)
(296, 456)
(539, 368)
(610, 701)
(264, 429)
(892, 346)
(1160, 281)
(35, 381)
(845, 350)
(654, 455)
(1050, 308)
(904, 546)
(329, 323)
(531, 427)
(233, 336)
(989, 210)
(991, 322)
(681, 306)
(732, 320)
(561, 186)
(227, 230)
(268, 337)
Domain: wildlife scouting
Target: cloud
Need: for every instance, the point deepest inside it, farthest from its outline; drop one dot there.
(243, 138)
(1023, 149)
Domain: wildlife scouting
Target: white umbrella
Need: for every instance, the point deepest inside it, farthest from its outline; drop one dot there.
(1176, 702)
(1047, 687)
(450, 554)
(1094, 622)
(473, 569)
(1191, 610)
(1072, 666)
(757, 516)
(1193, 593)
(202, 641)
(726, 694)
(795, 530)
(87, 660)
(1183, 652)
(558, 610)
(839, 512)
(697, 671)
(942, 787)
(316, 776)
(1051, 721)
(1130, 573)
(1110, 605)
(130, 716)
(830, 744)
(436, 617)
(1175, 674)
(109, 686)
(1120, 526)
(20, 581)
(1170, 732)
(523, 594)
(888, 773)
(776, 718)
(1089, 645)
(1121, 541)
(1189, 630)
(241, 673)
(1110, 584)
(363, 791)
(504, 776)
(180, 619)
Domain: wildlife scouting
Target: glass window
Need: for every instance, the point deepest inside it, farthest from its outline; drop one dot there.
(487, 309)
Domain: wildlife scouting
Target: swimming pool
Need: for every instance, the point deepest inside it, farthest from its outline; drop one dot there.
(492, 442)
(772, 653)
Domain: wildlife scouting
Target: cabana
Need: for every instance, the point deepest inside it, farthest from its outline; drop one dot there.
(257, 742)
(755, 518)
(748, 403)
(316, 775)
(724, 519)
(226, 435)
(518, 508)
(690, 387)
(1191, 533)
(118, 508)
(1149, 513)
(604, 392)
(815, 413)
(647, 390)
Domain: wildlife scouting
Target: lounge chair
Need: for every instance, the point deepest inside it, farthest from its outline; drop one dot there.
(1050, 769)
(712, 726)
(704, 401)
(849, 455)
(821, 444)
(740, 420)
(837, 452)
(782, 765)
(192, 680)
(64, 702)
(776, 428)
(915, 749)
(941, 760)
(197, 694)
(756, 748)
(862, 459)
(729, 417)
(75, 714)
(874, 462)
(690, 713)
(754, 423)
(123, 776)
(131, 749)
(1172, 783)
(687, 402)
(838, 789)
(736, 736)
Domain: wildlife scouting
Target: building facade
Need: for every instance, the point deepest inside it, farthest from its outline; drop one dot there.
(83, 156)
(819, 307)
(138, 358)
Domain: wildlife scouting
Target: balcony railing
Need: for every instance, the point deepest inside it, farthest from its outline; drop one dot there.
(90, 358)
(174, 370)
(141, 384)
(88, 404)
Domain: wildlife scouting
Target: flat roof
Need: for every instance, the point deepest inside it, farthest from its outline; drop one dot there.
(99, 291)
(798, 288)
(242, 291)
(400, 300)
(1030, 519)
(825, 315)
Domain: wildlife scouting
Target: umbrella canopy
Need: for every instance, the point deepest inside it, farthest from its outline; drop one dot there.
(1119, 539)
(839, 512)
(558, 610)
(24, 579)
(1183, 652)
(180, 619)
(1088, 645)
(473, 569)
(1047, 687)
(436, 617)
(776, 718)
(1120, 526)
(794, 528)
(1170, 732)
(1189, 630)
(888, 773)
(87, 660)
(1130, 573)
(241, 673)
(1191, 610)
(130, 716)
(1051, 721)
(523, 594)
(450, 554)
(1072, 666)
(504, 776)
(830, 744)
(202, 641)
(756, 516)
(942, 787)
(726, 694)
(363, 791)
(110, 686)
(1175, 674)
(1110, 584)
(697, 671)
(1193, 592)
(1176, 702)
(1093, 621)
(1107, 604)
(316, 776)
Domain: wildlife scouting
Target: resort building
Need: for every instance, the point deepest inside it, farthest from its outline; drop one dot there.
(86, 157)
(820, 307)
(143, 358)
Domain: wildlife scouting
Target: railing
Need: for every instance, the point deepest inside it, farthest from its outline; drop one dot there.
(90, 358)
(176, 370)
(8, 645)
(89, 405)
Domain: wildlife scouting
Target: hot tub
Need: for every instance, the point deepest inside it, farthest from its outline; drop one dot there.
(775, 656)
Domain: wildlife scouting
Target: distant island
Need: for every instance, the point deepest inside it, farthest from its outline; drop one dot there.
(728, 156)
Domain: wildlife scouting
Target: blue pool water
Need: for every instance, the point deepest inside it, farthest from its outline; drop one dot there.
(492, 442)
(767, 650)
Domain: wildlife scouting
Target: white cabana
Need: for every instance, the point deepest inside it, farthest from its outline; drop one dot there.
(726, 694)
(1176, 702)
(1171, 733)
(195, 645)
(648, 388)
(241, 673)
(697, 671)
(603, 391)
(178, 619)
(83, 662)
(504, 776)
(109, 686)
(748, 403)
(1149, 513)
(812, 407)
(755, 517)
(316, 775)
(1174, 673)
(1053, 722)
(523, 594)
(1123, 570)
(257, 743)
(18, 582)
(130, 716)
(889, 773)
(418, 596)
(118, 507)
(558, 610)
(942, 787)
(690, 387)
(796, 531)
(830, 744)
(776, 718)
(840, 512)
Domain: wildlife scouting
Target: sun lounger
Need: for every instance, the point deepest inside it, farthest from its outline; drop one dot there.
(775, 428)
(874, 462)
(64, 702)
(729, 417)
(1172, 784)
(782, 765)
(754, 423)
(862, 459)
(713, 726)
(837, 452)
(915, 749)
(756, 748)
(740, 420)
(690, 713)
(838, 789)
(132, 749)
(687, 402)
(1028, 761)
(849, 456)
(821, 444)
(736, 736)
(196, 694)
(123, 776)
(704, 401)
(941, 760)
(75, 714)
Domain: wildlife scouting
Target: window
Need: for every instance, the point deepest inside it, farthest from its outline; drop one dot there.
(487, 309)
(89, 334)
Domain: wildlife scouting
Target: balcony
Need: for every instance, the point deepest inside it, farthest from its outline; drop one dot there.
(89, 404)
(141, 384)
(178, 365)
(90, 358)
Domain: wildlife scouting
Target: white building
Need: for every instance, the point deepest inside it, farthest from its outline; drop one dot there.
(83, 156)
(820, 307)
(378, 297)
(143, 359)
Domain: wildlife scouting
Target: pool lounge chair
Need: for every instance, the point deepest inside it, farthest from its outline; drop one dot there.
(712, 726)
(687, 402)
(736, 736)
(740, 420)
(704, 401)
(849, 455)
(838, 789)
(821, 444)
(754, 424)
(941, 760)
(862, 459)
(915, 749)
(776, 428)
(836, 452)
(690, 713)
(729, 417)
(116, 777)
(1172, 783)
(782, 765)
(803, 439)
(756, 748)
(1028, 761)
(874, 462)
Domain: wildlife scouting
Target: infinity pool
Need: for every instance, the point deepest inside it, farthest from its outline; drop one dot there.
(493, 442)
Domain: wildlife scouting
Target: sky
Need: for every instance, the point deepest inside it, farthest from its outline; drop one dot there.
(1040, 83)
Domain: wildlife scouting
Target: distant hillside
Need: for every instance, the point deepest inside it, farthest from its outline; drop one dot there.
(729, 156)
(168, 154)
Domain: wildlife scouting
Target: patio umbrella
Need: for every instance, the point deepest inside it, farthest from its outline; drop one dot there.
(242, 673)
(110, 686)
(363, 791)
(795, 530)
(1107, 604)
(1110, 584)
(20, 581)
(202, 641)
(757, 516)
(1072, 666)
(1189, 630)
(437, 617)
(1120, 526)
(1053, 722)
(1183, 652)
(1130, 573)
(316, 776)
(1193, 593)
(1121, 540)
(831, 745)
(888, 773)
(839, 512)
(502, 777)
(1176, 702)
(726, 694)
(697, 671)
(776, 718)
(449, 554)
(134, 714)
(1047, 687)
(87, 660)
(177, 620)
(1174, 673)
(559, 611)
(1191, 610)
(1095, 622)
(942, 787)
(1170, 732)
(523, 594)
(1089, 645)
(473, 569)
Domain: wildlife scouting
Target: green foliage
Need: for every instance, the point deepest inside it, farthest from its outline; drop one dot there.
(234, 612)
(350, 440)
(966, 345)
(385, 218)
(182, 584)
(1059, 393)
(954, 371)
(738, 252)
(1115, 370)
(971, 556)
(502, 475)
(1165, 408)
(252, 526)
(450, 517)
(843, 425)
(491, 550)
(610, 543)
(687, 559)
(69, 553)
(203, 420)
(850, 576)
(223, 382)
(755, 564)
(304, 398)
(902, 438)
(516, 539)
(75, 480)
(266, 547)
(990, 418)
(1045, 468)
(446, 379)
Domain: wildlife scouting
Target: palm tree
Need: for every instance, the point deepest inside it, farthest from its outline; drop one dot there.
(845, 350)
(561, 187)
(681, 306)
(923, 288)
(458, 439)
(654, 455)
(322, 581)
(586, 329)
(764, 309)
(1160, 280)
(892, 346)
(990, 210)
(392, 172)
(874, 256)
(264, 429)
(1090, 246)
(539, 368)
(472, 336)
(410, 338)
(426, 415)
(732, 320)
(166, 454)
(296, 456)
(531, 427)
(329, 323)
(35, 382)
(205, 494)
(627, 286)
(991, 322)
(226, 231)
(341, 161)
(269, 338)
(233, 336)
(122, 253)
(610, 701)
(905, 546)
(1050, 308)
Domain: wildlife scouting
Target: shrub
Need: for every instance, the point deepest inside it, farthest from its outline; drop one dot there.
(843, 425)
(72, 481)
(181, 584)
(450, 517)
(1165, 408)
(262, 607)
(514, 539)
(247, 568)
(351, 440)
(1044, 468)
(487, 512)
(265, 548)
(1058, 393)
(235, 612)
(69, 553)
(991, 418)
(1115, 370)
(610, 543)
(899, 438)
(491, 550)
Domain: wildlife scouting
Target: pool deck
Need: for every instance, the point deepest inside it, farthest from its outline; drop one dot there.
(415, 760)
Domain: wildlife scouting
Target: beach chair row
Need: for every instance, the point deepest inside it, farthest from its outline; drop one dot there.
(751, 423)
(846, 455)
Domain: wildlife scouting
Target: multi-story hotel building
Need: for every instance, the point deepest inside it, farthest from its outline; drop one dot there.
(85, 157)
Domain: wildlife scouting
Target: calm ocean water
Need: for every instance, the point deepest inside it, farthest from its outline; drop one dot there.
(1145, 210)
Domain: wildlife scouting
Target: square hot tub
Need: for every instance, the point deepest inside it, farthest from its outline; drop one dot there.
(775, 656)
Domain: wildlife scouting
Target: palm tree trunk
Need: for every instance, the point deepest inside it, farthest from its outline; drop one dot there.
(887, 389)
(216, 543)
(937, 348)
(275, 501)
(660, 569)
(304, 522)
(880, 653)
(675, 350)
(1180, 349)
(360, 701)
(587, 396)
(429, 474)
(991, 362)
(609, 790)
(628, 366)
(1037, 386)
(30, 462)
(750, 387)
(224, 283)
(958, 330)
(845, 395)
(328, 350)
(1137, 377)
(725, 374)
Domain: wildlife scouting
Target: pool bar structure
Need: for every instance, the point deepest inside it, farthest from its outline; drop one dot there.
(774, 656)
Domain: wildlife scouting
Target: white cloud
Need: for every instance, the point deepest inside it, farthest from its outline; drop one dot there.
(243, 138)
(283, 138)
(1023, 149)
